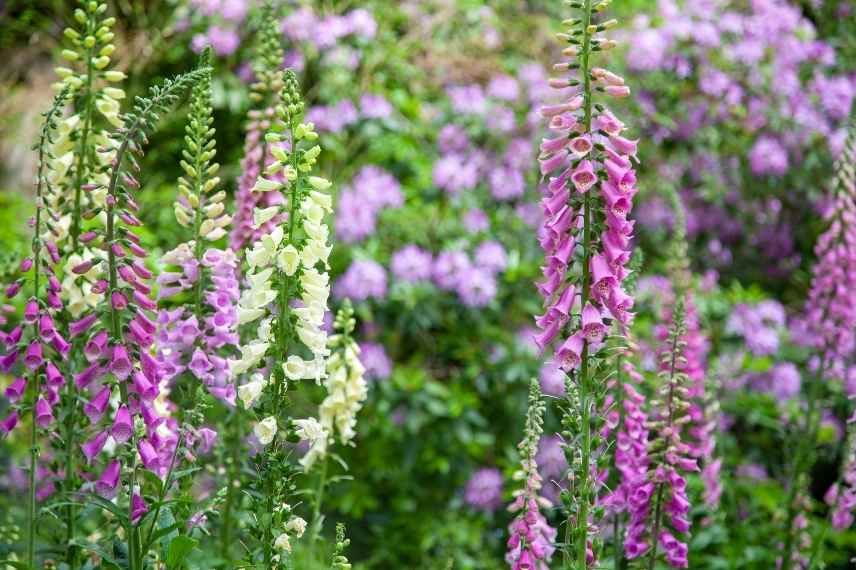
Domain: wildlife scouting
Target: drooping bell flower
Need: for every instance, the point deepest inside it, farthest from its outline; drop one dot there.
(15, 390)
(95, 407)
(54, 377)
(120, 363)
(94, 446)
(109, 480)
(9, 422)
(43, 414)
(31, 311)
(33, 358)
(123, 427)
(138, 508)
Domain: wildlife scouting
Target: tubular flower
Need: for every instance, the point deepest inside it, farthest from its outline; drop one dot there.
(586, 237)
(531, 539)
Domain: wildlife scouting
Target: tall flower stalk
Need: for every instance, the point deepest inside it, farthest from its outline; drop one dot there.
(77, 167)
(286, 298)
(586, 237)
(195, 339)
(530, 542)
(121, 334)
(267, 65)
(827, 326)
(44, 349)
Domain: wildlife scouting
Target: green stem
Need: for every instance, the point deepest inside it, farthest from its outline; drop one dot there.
(585, 388)
(658, 505)
(232, 467)
(804, 445)
(70, 482)
(670, 405)
(316, 507)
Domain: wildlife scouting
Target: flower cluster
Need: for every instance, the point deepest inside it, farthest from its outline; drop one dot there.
(484, 489)
(531, 541)
(827, 324)
(194, 338)
(345, 382)
(370, 192)
(258, 152)
(284, 262)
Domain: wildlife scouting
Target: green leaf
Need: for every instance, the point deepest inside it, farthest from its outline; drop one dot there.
(178, 550)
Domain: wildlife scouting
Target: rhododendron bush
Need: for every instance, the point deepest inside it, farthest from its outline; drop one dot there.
(428, 284)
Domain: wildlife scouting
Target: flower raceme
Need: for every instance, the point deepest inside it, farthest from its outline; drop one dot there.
(586, 238)
(288, 285)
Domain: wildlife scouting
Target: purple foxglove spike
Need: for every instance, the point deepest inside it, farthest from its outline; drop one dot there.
(123, 427)
(31, 311)
(15, 390)
(46, 327)
(109, 480)
(120, 362)
(149, 456)
(33, 358)
(44, 413)
(146, 390)
(138, 333)
(9, 422)
(138, 508)
(8, 360)
(94, 408)
(26, 264)
(13, 289)
(81, 326)
(118, 300)
(94, 349)
(55, 378)
(83, 379)
(94, 446)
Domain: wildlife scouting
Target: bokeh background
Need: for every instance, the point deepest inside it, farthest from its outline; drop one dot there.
(428, 116)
